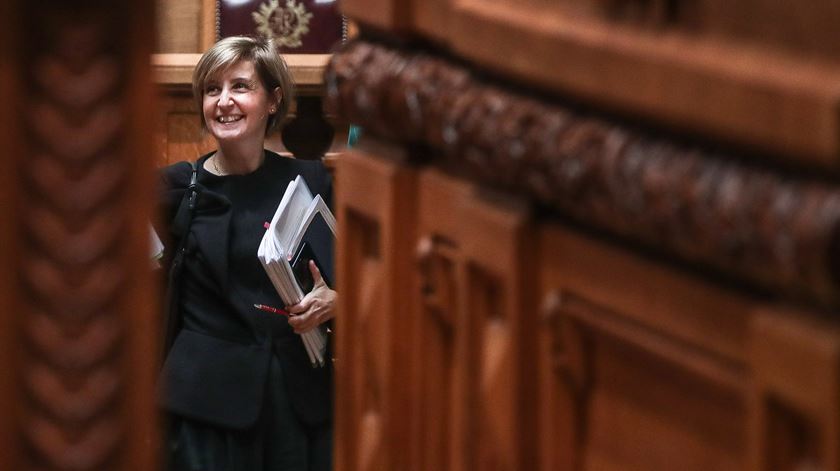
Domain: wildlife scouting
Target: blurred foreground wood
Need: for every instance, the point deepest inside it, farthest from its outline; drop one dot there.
(513, 302)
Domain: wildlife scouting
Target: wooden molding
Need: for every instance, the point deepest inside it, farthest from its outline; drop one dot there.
(709, 208)
(757, 96)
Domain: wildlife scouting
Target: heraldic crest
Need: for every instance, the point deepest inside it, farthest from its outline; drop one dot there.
(285, 24)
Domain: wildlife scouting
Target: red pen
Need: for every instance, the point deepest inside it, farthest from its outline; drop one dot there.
(273, 310)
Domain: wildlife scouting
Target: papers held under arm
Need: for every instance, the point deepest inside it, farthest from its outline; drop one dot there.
(297, 212)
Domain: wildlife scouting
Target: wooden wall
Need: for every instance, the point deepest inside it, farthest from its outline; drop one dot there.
(185, 26)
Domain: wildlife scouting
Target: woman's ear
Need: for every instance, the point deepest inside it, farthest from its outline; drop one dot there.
(278, 95)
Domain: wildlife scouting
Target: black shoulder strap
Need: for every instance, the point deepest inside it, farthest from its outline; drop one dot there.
(181, 228)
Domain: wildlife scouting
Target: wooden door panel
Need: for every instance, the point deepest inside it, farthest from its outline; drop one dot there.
(645, 384)
(623, 400)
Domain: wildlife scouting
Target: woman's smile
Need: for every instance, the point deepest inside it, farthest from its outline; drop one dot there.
(229, 119)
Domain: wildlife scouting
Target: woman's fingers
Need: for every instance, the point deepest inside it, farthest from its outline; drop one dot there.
(304, 322)
(316, 274)
(314, 309)
(300, 307)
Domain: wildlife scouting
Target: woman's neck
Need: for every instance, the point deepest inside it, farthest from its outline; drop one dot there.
(239, 159)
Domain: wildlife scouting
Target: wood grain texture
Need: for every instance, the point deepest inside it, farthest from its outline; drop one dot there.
(182, 25)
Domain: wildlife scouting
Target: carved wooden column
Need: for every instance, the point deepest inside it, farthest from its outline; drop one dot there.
(79, 311)
(476, 328)
(374, 389)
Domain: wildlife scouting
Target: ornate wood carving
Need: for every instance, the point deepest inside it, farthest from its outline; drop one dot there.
(83, 312)
(374, 382)
(476, 328)
(436, 331)
(706, 207)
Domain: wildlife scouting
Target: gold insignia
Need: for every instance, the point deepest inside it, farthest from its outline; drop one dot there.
(286, 25)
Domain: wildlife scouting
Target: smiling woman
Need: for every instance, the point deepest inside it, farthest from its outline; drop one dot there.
(237, 382)
(237, 110)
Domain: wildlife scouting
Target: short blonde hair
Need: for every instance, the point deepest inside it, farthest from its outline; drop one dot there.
(270, 67)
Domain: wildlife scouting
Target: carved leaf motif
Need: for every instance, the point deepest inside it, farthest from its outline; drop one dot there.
(71, 370)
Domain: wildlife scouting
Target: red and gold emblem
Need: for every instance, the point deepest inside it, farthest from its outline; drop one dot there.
(285, 24)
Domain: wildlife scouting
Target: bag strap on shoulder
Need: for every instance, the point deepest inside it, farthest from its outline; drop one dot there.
(181, 228)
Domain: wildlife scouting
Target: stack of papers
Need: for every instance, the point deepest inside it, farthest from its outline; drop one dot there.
(296, 212)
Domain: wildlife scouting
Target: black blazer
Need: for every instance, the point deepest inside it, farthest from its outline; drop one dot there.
(217, 368)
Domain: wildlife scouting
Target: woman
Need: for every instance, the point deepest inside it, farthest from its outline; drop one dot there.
(237, 382)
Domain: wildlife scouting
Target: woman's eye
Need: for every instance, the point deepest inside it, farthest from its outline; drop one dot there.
(211, 90)
(240, 86)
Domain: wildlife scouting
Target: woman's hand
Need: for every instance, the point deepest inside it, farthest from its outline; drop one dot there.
(317, 307)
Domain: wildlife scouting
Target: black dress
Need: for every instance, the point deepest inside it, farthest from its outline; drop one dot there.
(237, 383)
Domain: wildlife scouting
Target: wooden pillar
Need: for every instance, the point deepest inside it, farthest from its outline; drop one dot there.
(79, 314)
(373, 424)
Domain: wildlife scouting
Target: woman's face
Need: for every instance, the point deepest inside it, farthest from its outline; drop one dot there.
(237, 105)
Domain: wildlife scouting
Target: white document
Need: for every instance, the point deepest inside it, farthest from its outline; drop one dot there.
(295, 212)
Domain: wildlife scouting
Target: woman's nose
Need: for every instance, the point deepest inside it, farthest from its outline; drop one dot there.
(225, 98)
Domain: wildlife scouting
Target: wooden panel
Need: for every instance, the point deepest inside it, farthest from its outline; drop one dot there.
(684, 308)
(373, 385)
(185, 26)
(432, 18)
(796, 360)
(179, 135)
(476, 324)
(640, 367)
(175, 71)
(78, 296)
(766, 100)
